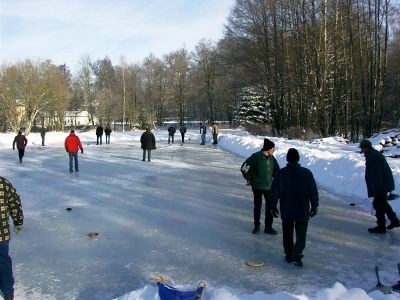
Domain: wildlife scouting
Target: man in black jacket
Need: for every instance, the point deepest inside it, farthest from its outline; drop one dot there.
(148, 143)
(380, 182)
(296, 189)
(99, 134)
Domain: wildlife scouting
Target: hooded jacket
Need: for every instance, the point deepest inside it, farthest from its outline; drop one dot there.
(73, 143)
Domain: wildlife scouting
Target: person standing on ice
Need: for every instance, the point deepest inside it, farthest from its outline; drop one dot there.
(10, 205)
(379, 180)
(214, 131)
(203, 132)
(171, 133)
(182, 130)
(259, 170)
(99, 134)
(107, 131)
(148, 143)
(21, 142)
(72, 145)
(296, 190)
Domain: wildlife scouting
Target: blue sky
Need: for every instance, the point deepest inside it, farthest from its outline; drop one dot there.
(66, 30)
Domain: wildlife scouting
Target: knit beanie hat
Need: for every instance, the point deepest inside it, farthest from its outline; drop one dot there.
(292, 156)
(366, 144)
(268, 145)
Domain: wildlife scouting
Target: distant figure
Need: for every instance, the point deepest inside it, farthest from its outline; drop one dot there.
(148, 143)
(203, 132)
(214, 131)
(43, 134)
(295, 188)
(182, 130)
(380, 181)
(259, 170)
(108, 131)
(21, 142)
(72, 145)
(171, 133)
(10, 206)
(99, 134)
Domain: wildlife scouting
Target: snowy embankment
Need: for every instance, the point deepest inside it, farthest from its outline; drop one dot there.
(337, 167)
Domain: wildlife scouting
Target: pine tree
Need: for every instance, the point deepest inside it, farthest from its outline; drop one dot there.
(253, 107)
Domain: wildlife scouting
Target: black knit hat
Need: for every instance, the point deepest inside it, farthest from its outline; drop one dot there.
(292, 156)
(268, 145)
(366, 144)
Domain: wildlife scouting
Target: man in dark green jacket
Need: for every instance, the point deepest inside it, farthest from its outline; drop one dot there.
(259, 170)
(295, 188)
(380, 181)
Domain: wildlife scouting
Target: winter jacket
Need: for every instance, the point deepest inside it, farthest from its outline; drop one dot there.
(259, 170)
(171, 130)
(107, 131)
(10, 205)
(296, 189)
(21, 141)
(214, 129)
(378, 175)
(99, 131)
(73, 143)
(182, 129)
(203, 129)
(148, 141)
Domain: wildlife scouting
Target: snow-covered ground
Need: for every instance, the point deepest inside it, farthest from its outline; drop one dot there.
(100, 200)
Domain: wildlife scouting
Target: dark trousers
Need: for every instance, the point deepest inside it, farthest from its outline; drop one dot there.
(215, 139)
(288, 227)
(107, 138)
(6, 275)
(148, 154)
(170, 137)
(183, 137)
(258, 194)
(21, 153)
(382, 207)
(73, 156)
(99, 137)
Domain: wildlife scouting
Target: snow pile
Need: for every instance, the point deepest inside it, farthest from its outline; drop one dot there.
(337, 292)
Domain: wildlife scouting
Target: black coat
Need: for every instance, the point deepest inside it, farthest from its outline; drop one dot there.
(378, 175)
(296, 189)
(171, 130)
(148, 141)
(99, 131)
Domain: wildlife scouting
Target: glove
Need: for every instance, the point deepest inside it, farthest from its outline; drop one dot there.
(81, 151)
(275, 212)
(313, 211)
(17, 229)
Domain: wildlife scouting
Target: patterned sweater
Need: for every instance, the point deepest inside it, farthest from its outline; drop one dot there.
(10, 204)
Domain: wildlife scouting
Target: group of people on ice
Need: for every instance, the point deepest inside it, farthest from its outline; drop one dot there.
(294, 188)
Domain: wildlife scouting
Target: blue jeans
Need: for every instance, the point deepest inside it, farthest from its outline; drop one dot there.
(6, 275)
(73, 156)
(203, 139)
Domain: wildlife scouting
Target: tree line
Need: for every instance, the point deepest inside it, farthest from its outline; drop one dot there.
(331, 67)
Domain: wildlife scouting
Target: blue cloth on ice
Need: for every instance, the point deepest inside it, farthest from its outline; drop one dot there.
(167, 292)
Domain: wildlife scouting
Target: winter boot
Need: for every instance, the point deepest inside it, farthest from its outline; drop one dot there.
(256, 230)
(271, 231)
(393, 224)
(297, 260)
(289, 258)
(377, 229)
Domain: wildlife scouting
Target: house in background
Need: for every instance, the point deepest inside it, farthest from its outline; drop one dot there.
(79, 118)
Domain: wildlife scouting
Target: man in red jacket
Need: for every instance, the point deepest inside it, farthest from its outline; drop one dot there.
(72, 145)
(21, 142)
